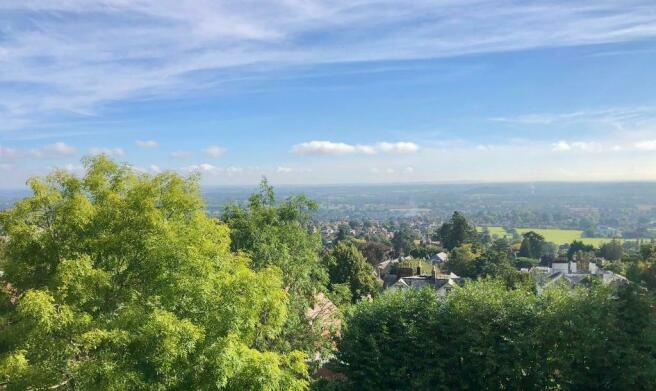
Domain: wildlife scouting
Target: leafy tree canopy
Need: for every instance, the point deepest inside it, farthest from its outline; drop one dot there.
(578, 246)
(346, 265)
(456, 232)
(533, 245)
(119, 280)
(280, 234)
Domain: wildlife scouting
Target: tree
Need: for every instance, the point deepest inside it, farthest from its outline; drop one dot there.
(463, 261)
(278, 234)
(346, 265)
(578, 246)
(385, 345)
(456, 232)
(612, 251)
(496, 261)
(424, 251)
(533, 245)
(375, 252)
(487, 337)
(343, 232)
(119, 280)
(403, 240)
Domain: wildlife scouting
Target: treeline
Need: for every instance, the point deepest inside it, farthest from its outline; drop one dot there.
(487, 337)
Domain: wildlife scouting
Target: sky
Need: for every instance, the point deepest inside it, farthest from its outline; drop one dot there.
(331, 91)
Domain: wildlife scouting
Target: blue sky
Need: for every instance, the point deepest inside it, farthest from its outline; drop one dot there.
(311, 91)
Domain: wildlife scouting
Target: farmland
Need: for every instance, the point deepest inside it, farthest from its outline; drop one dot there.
(558, 236)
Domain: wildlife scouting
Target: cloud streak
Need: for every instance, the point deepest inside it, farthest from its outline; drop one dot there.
(147, 144)
(338, 148)
(55, 57)
(52, 151)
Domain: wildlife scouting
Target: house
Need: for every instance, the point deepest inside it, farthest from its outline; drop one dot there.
(442, 283)
(572, 274)
(439, 257)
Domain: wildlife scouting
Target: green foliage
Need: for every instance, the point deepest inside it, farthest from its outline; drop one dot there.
(527, 263)
(346, 265)
(578, 247)
(533, 245)
(425, 251)
(278, 234)
(463, 261)
(403, 240)
(457, 232)
(612, 251)
(374, 252)
(120, 280)
(486, 337)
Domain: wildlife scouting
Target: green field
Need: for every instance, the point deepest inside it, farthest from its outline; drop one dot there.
(558, 236)
(497, 231)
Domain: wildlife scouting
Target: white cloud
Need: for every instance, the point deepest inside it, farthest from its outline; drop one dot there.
(561, 146)
(585, 146)
(181, 154)
(285, 170)
(113, 152)
(215, 151)
(646, 145)
(210, 169)
(155, 169)
(147, 144)
(202, 168)
(55, 150)
(330, 148)
(400, 147)
(338, 148)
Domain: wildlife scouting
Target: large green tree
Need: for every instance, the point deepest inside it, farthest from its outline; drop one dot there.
(456, 232)
(403, 240)
(533, 245)
(613, 250)
(119, 280)
(280, 234)
(346, 265)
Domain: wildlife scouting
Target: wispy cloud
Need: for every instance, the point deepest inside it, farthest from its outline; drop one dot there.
(53, 151)
(210, 169)
(71, 57)
(8, 152)
(215, 151)
(147, 144)
(338, 148)
(612, 115)
(181, 154)
(113, 152)
(585, 146)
